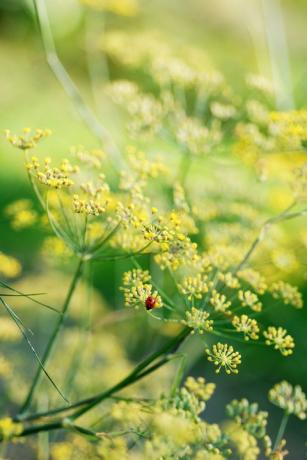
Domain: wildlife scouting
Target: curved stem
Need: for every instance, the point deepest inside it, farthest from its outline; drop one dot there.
(53, 337)
(55, 64)
(284, 215)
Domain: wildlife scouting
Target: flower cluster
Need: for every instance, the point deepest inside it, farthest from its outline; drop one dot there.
(219, 302)
(224, 356)
(198, 320)
(247, 325)
(138, 291)
(290, 398)
(54, 177)
(21, 214)
(28, 139)
(287, 293)
(280, 339)
(194, 287)
(250, 299)
(9, 266)
(90, 207)
(249, 416)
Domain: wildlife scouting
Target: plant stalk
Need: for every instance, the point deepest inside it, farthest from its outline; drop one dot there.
(140, 371)
(53, 337)
(281, 431)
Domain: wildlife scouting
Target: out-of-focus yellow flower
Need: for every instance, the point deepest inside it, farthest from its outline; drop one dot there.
(8, 428)
(120, 7)
(280, 339)
(21, 214)
(9, 266)
(9, 332)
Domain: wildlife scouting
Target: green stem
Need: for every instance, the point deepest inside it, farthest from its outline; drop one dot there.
(281, 431)
(139, 372)
(184, 168)
(53, 337)
(284, 215)
(71, 89)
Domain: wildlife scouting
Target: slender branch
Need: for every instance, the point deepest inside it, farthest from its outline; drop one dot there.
(140, 371)
(55, 64)
(28, 296)
(53, 337)
(281, 430)
(22, 329)
(284, 215)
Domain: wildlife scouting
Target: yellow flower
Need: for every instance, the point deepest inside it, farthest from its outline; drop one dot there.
(287, 293)
(248, 326)
(249, 299)
(290, 398)
(195, 287)
(28, 139)
(223, 356)
(120, 7)
(9, 429)
(9, 266)
(280, 339)
(198, 321)
(219, 302)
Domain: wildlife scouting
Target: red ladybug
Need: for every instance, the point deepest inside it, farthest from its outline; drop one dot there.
(150, 302)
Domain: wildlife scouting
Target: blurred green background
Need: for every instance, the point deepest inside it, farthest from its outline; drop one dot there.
(238, 36)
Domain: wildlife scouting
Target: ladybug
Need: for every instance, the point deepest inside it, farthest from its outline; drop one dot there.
(150, 302)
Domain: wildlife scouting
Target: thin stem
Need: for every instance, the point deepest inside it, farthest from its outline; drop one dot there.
(55, 64)
(184, 168)
(139, 372)
(28, 296)
(281, 430)
(53, 337)
(22, 329)
(284, 215)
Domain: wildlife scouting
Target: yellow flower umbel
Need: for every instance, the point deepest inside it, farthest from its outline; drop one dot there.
(198, 321)
(248, 416)
(219, 302)
(280, 339)
(200, 388)
(88, 207)
(287, 293)
(249, 299)
(229, 280)
(194, 287)
(254, 278)
(290, 398)
(57, 178)
(138, 292)
(224, 356)
(248, 326)
(28, 139)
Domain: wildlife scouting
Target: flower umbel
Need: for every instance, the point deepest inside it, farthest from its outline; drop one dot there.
(224, 356)
(198, 320)
(138, 292)
(280, 339)
(28, 139)
(290, 398)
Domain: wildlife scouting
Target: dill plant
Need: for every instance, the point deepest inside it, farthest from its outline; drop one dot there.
(202, 243)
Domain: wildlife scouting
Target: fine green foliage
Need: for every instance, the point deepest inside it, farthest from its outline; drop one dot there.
(199, 205)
